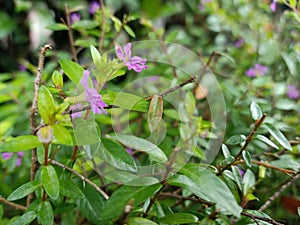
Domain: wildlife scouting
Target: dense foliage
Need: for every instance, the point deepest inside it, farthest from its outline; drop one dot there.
(149, 112)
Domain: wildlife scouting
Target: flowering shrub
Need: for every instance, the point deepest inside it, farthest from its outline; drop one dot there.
(184, 113)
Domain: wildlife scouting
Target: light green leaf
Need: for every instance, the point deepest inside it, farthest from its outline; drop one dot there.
(255, 111)
(248, 182)
(235, 140)
(46, 105)
(225, 151)
(143, 145)
(179, 218)
(140, 221)
(266, 140)
(129, 31)
(155, 112)
(96, 56)
(73, 70)
(289, 62)
(26, 218)
(247, 158)
(57, 79)
(57, 27)
(278, 136)
(85, 25)
(46, 216)
(20, 143)
(62, 135)
(50, 181)
(23, 190)
(237, 176)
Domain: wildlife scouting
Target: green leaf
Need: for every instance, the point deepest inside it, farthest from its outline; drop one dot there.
(155, 112)
(289, 62)
(57, 79)
(1, 212)
(86, 132)
(235, 140)
(255, 111)
(179, 218)
(85, 25)
(208, 186)
(247, 158)
(62, 135)
(126, 101)
(7, 24)
(69, 189)
(20, 143)
(73, 70)
(143, 145)
(50, 181)
(237, 176)
(23, 190)
(225, 151)
(129, 31)
(95, 55)
(123, 196)
(298, 209)
(248, 182)
(46, 105)
(278, 136)
(26, 218)
(266, 140)
(57, 27)
(140, 221)
(45, 213)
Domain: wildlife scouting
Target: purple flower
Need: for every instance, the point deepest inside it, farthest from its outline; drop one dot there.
(22, 67)
(91, 95)
(136, 63)
(292, 92)
(75, 114)
(273, 6)
(74, 17)
(93, 7)
(239, 42)
(257, 70)
(7, 155)
(202, 4)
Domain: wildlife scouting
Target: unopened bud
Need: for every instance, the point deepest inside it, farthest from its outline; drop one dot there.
(45, 134)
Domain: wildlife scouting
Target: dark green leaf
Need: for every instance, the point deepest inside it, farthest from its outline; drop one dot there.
(62, 135)
(266, 140)
(140, 221)
(235, 140)
(225, 151)
(20, 143)
(155, 112)
(57, 27)
(247, 158)
(69, 189)
(7, 24)
(179, 218)
(278, 136)
(72, 70)
(129, 31)
(46, 213)
(50, 181)
(143, 145)
(26, 218)
(255, 111)
(46, 105)
(248, 182)
(123, 196)
(23, 190)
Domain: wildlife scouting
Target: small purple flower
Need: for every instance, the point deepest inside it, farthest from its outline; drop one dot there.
(18, 161)
(91, 95)
(74, 17)
(242, 172)
(257, 70)
(93, 7)
(136, 63)
(75, 114)
(201, 6)
(7, 155)
(239, 42)
(129, 151)
(292, 92)
(273, 6)
(22, 67)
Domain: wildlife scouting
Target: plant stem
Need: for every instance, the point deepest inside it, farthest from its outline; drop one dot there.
(70, 33)
(101, 40)
(16, 206)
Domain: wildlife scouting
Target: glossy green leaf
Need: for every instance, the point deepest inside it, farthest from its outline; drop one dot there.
(57, 79)
(95, 55)
(235, 140)
(45, 215)
(62, 135)
(179, 218)
(208, 186)
(57, 27)
(225, 151)
(140, 221)
(50, 181)
(25, 219)
(23, 190)
(131, 141)
(247, 158)
(69, 189)
(46, 105)
(266, 140)
(276, 133)
(73, 70)
(155, 112)
(248, 182)
(237, 176)
(255, 111)
(20, 143)
(129, 31)
(123, 196)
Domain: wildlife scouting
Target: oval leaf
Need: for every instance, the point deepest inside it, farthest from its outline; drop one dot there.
(50, 181)
(25, 219)
(57, 27)
(95, 55)
(62, 135)
(69, 189)
(235, 140)
(23, 191)
(247, 158)
(46, 213)
(155, 112)
(140, 221)
(179, 218)
(46, 105)
(266, 140)
(21, 143)
(72, 70)
(278, 136)
(255, 111)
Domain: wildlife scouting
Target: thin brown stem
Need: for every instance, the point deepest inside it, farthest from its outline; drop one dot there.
(101, 40)
(33, 113)
(81, 177)
(16, 206)
(262, 218)
(70, 34)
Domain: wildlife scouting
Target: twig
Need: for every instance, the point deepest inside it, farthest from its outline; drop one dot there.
(101, 40)
(71, 38)
(33, 112)
(16, 206)
(249, 138)
(180, 197)
(284, 186)
(262, 218)
(81, 177)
